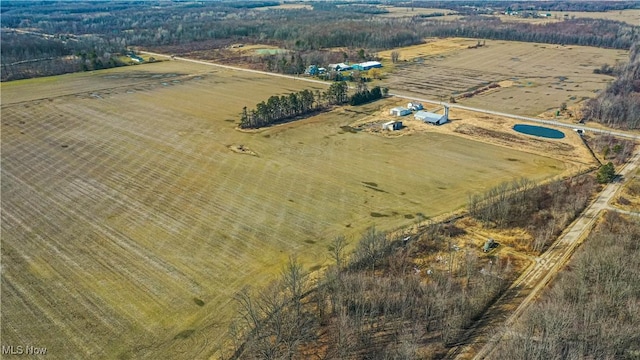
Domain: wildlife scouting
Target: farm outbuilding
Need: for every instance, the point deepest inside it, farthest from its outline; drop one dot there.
(433, 118)
(136, 58)
(488, 245)
(399, 111)
(340, 67)
(367, 65)
(311, 70)
(415, 106)
(392, 125)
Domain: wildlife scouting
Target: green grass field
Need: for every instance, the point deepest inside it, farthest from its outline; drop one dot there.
(128, 223)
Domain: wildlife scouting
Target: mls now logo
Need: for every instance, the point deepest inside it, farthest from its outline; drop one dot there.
(23, 350)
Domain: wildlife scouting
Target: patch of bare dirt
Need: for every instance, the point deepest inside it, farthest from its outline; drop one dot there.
(241, 149)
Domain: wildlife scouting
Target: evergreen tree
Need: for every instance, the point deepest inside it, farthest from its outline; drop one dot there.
(606, 173)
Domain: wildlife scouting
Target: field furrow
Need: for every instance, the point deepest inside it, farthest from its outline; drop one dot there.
(128, 222)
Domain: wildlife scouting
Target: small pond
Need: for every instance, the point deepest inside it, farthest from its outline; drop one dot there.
(539, 131)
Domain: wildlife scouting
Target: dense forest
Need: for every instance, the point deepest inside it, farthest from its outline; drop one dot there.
(68, 30)
(619, 104)
(470, 7)
(26, 55)
(591, 310)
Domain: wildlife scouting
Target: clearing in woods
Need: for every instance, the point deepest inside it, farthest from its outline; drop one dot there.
(527, 78)
(630, 16)
(133, 209)
(399, 11)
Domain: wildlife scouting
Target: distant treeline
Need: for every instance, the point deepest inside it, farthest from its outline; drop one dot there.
(281, 108)
(109, 28)
(28, 55)
(619, 105)
(586, 32)
(469, 7)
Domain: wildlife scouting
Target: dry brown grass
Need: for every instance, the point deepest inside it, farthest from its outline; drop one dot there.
(429, 48)
(129, 220)
(630, 16)
(540, 76)
(490, 129)
(398, 11)
(287, 7)
(629, 197)
(253, 49)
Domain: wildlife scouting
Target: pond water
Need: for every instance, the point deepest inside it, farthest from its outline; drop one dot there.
(539, 131)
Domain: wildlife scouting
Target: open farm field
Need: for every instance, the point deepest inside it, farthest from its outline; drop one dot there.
(630, 16)
(399, 11)
(257, 49)
(529, 78)
(287, 6)
(130, 218)
(430, 48)
(489, 129)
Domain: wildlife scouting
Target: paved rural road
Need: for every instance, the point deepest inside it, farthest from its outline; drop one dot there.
(547, 265)
(452, 106)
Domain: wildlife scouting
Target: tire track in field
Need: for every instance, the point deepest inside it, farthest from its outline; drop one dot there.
(57, 207)
(131, 315)
(32, 245)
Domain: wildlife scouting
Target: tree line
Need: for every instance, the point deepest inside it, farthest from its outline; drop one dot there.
(591, 309)
(543, 210)
(179, 28)
(371, 304)
(611, 148)
(281, 108)
(28, 55)
(364, 95)
(468, 7)
(619, 105)
(378, 302)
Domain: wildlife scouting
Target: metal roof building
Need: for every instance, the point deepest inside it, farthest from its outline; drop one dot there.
(340, 67)
(433, 118)
(400, 111)
(367, 65)
(392, 125)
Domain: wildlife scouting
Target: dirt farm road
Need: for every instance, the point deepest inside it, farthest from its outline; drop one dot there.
(452, 106)
(535, 278)
(235, 68)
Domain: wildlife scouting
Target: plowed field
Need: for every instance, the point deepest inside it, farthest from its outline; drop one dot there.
(130, 218)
